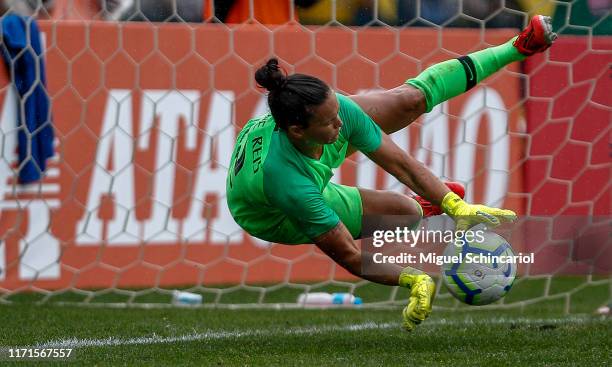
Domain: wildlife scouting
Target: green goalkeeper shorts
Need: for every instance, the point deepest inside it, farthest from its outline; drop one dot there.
(344, 200)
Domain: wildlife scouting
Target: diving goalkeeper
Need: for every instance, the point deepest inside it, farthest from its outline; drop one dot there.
(278, 184)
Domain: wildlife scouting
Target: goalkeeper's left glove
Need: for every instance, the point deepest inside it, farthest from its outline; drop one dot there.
(468, 215)
(422, 292)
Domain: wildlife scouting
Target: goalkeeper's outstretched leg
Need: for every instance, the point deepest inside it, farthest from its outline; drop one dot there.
(395, 109)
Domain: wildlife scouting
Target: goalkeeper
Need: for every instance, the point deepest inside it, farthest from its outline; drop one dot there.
(278, 184)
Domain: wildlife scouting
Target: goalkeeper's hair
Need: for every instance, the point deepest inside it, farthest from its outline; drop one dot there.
(290, 97)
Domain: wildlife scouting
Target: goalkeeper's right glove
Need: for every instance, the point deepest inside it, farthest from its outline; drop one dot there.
(468, 215)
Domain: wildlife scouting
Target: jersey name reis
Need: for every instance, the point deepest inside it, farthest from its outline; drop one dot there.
(274, 191)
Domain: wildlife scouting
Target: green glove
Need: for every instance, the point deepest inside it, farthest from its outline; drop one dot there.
(468, 215)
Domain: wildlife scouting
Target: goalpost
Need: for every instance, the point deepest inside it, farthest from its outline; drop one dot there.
(132, 206)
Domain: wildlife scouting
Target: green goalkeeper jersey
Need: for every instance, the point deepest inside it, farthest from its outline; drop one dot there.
(275, 192)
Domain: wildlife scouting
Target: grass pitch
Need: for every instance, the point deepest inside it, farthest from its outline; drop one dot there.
(539, 334)
(306, 337)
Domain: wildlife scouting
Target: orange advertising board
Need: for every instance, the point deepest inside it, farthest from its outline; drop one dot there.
(146, 117)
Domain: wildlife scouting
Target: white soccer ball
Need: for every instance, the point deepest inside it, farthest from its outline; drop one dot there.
(479, 283)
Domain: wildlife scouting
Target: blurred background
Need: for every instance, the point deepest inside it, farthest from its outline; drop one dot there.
(571, 16)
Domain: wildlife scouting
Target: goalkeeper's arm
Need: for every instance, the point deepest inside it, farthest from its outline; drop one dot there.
(417, 177)
(340, 246)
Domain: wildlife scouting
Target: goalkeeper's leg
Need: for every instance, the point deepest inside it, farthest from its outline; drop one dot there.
(397, 108)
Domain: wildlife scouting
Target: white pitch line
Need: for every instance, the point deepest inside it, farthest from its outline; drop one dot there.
(221, 334)
(209, 335)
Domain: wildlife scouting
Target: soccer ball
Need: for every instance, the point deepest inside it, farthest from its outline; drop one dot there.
(482, 282)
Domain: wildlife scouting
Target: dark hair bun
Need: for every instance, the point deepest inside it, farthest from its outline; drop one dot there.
(270, 76)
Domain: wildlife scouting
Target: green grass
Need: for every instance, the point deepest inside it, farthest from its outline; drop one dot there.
(539, 334)
(290, 337)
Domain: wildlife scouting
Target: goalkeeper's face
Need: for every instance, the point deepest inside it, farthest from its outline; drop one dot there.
(324, 125)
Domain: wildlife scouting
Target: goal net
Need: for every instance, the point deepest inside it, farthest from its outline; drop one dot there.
(146, 113)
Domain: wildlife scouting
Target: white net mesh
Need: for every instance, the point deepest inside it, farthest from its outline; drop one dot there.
(145, 114)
